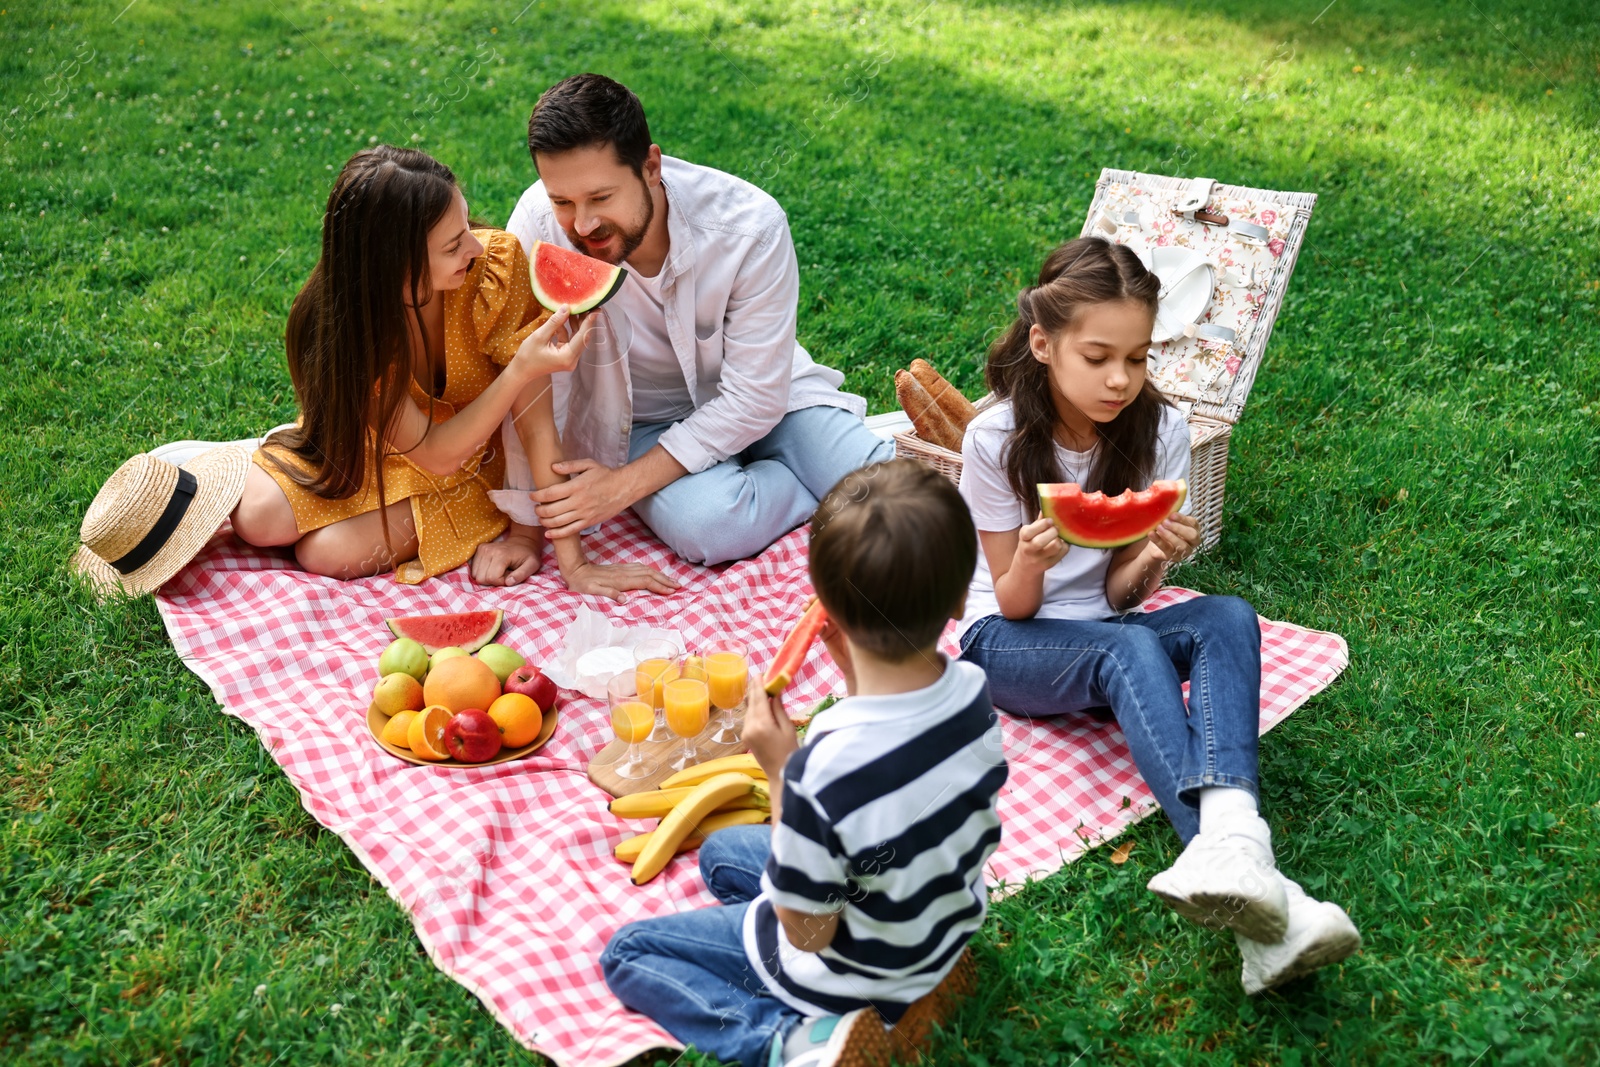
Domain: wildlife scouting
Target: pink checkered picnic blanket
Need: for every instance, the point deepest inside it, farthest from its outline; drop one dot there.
(506, 871)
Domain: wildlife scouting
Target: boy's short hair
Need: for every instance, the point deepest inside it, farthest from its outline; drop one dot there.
(590, 109)
(892, 552)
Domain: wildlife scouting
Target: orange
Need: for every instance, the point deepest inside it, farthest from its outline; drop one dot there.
(518, 717)
(461, 683)
(426, 732)
(397, 732)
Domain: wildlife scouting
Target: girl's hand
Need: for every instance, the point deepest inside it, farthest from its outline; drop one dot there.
(545, 352)
(615, 580)
(508, 562)
(1175, 539)
(1039, 546)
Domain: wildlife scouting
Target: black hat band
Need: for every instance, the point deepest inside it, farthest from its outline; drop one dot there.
(145, 550)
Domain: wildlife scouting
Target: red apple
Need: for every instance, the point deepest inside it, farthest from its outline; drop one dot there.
(531, 682)
(472, 736)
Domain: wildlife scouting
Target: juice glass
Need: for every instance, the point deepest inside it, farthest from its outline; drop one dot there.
(688, 706)
(728, 673)
(631, 720)
(652, 660)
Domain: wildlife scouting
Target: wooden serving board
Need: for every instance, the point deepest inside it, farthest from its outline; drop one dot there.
(661, 753)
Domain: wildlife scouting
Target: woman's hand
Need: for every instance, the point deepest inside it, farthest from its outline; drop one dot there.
(616, 579)
(545, 352)
(511, 561)
(1039, 547)
(1175, 540)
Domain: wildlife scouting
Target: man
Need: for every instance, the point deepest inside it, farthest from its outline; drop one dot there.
(699, 409)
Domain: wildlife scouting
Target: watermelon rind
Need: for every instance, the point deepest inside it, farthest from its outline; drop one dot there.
(468, 631)
(554, 254)
(1077, 534)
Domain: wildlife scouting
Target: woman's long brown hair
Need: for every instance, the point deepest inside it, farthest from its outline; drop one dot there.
(348, 343)
(1086, 271)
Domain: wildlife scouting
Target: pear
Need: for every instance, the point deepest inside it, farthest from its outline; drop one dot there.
(501, 660)
(404, 656)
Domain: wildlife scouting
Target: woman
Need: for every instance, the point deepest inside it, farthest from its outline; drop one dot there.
(413, 338)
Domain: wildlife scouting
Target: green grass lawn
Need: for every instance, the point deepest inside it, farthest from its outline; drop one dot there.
(1415, 471)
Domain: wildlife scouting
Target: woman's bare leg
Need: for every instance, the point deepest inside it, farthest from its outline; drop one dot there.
(263, 516)
(355, 548)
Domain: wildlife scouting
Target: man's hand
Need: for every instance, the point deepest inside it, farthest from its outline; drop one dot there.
(508, 562)
(769, 734)
(591, 494)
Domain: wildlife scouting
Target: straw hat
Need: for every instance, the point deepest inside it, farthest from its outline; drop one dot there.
(151, 518)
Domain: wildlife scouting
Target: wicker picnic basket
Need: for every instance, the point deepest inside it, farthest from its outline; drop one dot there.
(1251, 238)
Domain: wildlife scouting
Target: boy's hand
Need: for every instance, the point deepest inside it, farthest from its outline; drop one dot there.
(769, 733)
(1039, 546)
(1175, 539)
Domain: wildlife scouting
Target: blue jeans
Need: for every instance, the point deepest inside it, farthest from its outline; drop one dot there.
(1134, 664)
(689, 972)
(736, 508)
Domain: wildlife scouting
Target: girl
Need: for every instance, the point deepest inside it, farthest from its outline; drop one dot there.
(1056, 631)
(411, 340)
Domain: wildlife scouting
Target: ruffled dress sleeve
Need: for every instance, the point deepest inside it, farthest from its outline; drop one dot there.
(504, 311)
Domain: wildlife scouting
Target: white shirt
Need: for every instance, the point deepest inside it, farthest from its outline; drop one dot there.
(1075, 588)
(660, 391)
(730, 290)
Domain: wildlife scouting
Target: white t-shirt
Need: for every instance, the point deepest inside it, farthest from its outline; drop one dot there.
(660, 393)
(1074, 588)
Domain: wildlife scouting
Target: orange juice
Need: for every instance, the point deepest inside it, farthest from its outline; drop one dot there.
(649, 677)
(727, 671)
(633, 721)
(688, 705)
(692, 667)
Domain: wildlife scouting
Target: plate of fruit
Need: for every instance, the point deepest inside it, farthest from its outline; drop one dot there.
(447, 696)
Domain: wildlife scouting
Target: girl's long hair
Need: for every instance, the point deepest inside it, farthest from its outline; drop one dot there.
(1082, 272)
(349, 350)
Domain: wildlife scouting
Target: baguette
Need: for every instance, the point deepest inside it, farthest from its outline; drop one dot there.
(929, 420)
(956, 407)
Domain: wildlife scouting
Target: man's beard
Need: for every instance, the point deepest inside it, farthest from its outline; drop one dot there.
(631, 239)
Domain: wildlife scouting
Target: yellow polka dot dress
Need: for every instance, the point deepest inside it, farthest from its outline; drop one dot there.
(485, 321)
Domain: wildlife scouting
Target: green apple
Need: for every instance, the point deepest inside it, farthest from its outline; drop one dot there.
(447, 652)
(501, 660)
(404, 656)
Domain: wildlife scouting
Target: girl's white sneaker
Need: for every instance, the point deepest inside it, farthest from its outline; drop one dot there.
(1319, 933)
(1228, 880)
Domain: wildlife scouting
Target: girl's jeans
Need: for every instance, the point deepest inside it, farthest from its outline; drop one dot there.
(689, 971)
(1134, 664)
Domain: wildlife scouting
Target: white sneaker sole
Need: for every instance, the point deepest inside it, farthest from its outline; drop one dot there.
(1258, 920)
(1331, 945)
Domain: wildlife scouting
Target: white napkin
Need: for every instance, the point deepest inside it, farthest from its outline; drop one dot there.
(594, 651)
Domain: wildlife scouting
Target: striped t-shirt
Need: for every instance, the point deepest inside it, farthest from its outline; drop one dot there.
(888, 817)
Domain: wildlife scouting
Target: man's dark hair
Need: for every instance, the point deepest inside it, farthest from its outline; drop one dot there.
(590, 109)
(892, 551)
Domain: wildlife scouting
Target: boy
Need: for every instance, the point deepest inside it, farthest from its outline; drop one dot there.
(862, 896)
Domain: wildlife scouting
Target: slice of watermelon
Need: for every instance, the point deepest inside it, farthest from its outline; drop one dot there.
(792, 653)
(1094, 520)
(563, 277)
(469, 631)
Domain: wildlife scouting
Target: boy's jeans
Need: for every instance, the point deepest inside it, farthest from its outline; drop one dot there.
(1134, 665)
(689, 972)
(738, 507)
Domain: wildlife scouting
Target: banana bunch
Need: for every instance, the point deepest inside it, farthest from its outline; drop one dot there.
(692, 804)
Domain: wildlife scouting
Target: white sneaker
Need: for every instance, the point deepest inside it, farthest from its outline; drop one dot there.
(1320, 933)
(853, 1040)
(1227, 880)
(180, 452)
